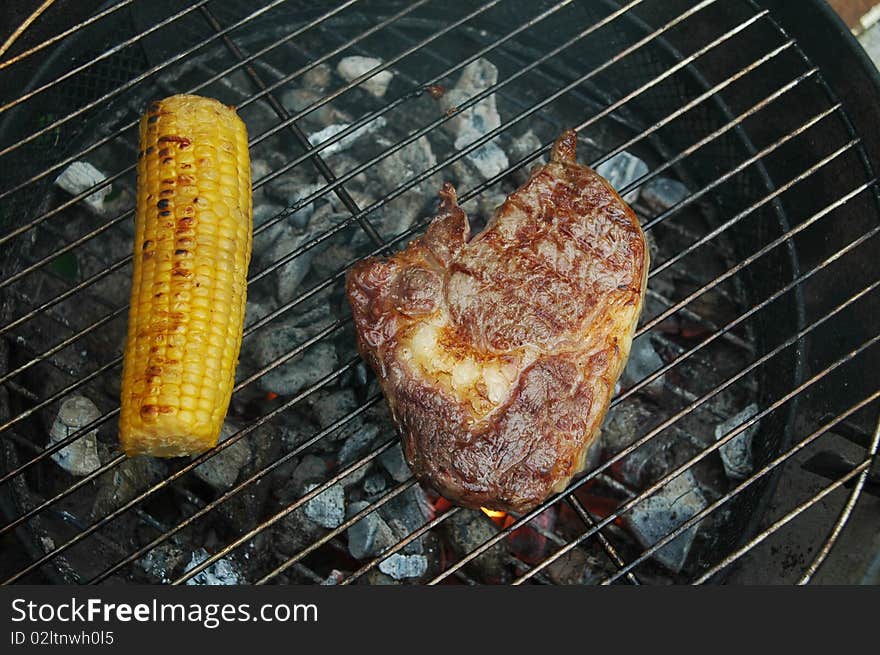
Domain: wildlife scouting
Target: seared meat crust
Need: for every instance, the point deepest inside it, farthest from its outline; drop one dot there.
(499, 354)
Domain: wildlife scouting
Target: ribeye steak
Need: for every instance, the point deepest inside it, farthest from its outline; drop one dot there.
(499, 354)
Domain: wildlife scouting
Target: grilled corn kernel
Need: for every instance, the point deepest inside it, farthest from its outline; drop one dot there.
(192, 247)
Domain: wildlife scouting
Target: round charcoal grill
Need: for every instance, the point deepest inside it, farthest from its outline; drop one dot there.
(741, 439)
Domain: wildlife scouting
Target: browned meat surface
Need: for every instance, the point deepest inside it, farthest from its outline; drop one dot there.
(499, 354)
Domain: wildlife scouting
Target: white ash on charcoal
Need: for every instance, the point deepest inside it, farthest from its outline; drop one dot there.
(654, 459)
(736, 454)
(260, 168)
(311, 469)
(304, 421)
(327, 509)
(222, 470)
(405, 513)
(355, 477)
(643, 361)
(393, 461)
(266, 211)
(375, 484)
(391, 172)
(297, 100)
(667, 509)
(406, 163)
(523, 146)
(622, 170)
(478, 120)
(283, 239)
(359, 443)
(255, 311)
(468, 529)
(489, 159)
(663, 193)
(626, 423)
(275, 243)
(306, 368)
(81, 456)
(369, 536)
(80, 176)
(463, 176)
(350, 68)
(222, 572)
(341, 163)
(334, 258)
(124, 481)
(346, 142)
(164, 562)
(401, 567)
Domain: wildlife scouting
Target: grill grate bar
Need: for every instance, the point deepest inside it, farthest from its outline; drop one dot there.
(669, 422)
(417, 179)
(736, 122)
(629, 504)
(845, 513)
(595, 529)
(120, 131)
(54, 39)
(757, 475)
(468, 103)
(644, 439)
(401, 544)
(100, 420)
(800, 509)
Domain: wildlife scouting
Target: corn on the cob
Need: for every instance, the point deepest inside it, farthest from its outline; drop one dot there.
(192, 247)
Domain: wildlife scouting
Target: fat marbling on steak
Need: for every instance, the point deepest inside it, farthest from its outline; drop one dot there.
(499, 354)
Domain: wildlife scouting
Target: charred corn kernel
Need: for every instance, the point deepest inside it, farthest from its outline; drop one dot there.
(192, 247)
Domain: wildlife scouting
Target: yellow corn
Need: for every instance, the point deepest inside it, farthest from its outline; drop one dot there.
(192, 247)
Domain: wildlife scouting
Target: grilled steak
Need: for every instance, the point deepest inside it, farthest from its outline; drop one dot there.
(499, 354)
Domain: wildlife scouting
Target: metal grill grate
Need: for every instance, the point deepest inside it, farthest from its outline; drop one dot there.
(761, 272)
